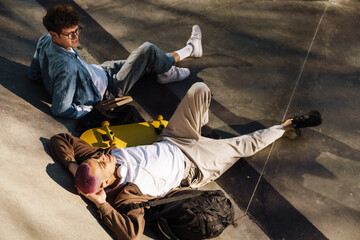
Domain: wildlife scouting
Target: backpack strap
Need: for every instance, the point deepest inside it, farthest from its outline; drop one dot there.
(164, 230)
(188, 194)
(157, 202)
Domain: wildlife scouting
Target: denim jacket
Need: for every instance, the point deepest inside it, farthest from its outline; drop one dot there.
(65, 78)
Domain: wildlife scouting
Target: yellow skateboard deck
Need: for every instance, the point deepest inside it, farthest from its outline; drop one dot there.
(127, 135)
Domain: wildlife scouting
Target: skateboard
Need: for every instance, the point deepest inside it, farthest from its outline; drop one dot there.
(127, 135)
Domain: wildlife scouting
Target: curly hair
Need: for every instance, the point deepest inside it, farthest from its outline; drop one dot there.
(59, 17)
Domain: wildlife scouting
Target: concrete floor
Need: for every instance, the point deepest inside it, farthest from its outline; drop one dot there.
(263, 61)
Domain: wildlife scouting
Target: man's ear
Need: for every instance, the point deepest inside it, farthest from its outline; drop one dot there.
(54, 35)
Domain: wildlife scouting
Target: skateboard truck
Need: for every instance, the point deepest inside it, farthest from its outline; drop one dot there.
(109, 136)
(161, 127)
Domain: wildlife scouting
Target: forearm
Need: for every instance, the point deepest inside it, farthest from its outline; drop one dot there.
(124, 226)
(69, 149)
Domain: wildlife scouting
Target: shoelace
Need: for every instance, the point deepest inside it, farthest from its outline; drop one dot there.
(170, 72)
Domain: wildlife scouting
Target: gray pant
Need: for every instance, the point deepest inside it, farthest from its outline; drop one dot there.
(206, 158)
(146, 59)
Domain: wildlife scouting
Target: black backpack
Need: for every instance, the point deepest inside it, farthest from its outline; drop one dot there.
(188, 214)
(124, 114)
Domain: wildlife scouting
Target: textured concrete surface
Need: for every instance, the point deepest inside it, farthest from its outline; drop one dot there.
(263, 61)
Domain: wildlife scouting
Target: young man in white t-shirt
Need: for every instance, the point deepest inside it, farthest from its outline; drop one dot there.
(180, 156)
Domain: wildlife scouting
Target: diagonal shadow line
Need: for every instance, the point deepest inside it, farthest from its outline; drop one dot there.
(270, 210)
(241, 125)
(265, 44)
(14, 79)
(101, 44)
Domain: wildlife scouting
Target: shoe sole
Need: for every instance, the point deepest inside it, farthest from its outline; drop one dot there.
(200, 39)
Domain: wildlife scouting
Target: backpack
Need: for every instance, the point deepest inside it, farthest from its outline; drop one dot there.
(124, 114)
(188, 214)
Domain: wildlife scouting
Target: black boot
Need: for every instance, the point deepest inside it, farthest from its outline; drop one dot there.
(310, 119)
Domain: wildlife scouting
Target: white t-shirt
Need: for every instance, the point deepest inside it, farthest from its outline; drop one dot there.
(100, 80)
(97, 73)
(155, 168)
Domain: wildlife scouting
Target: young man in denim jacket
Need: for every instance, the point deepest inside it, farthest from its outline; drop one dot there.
(76, 87)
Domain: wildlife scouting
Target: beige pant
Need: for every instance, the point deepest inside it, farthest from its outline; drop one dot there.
(206, 158)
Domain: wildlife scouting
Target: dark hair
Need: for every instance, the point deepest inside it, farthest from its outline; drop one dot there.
(84, 181)
(59, 17)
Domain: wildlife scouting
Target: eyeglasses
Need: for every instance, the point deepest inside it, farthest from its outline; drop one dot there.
(71, 35)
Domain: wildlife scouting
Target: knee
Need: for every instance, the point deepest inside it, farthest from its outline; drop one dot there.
(200, 92)
(147, 47)
(200, 88)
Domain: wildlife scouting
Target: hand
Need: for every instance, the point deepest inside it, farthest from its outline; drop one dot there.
(287, 125)
(103, 106)
(97, 198)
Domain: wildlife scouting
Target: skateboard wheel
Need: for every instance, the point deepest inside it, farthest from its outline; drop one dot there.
(112, 142)
(105, 124)
(159, 118)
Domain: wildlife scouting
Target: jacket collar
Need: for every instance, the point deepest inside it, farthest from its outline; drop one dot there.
(58, 48)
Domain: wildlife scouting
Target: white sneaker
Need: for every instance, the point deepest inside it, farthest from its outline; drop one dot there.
(175, 74)
(195, 41)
